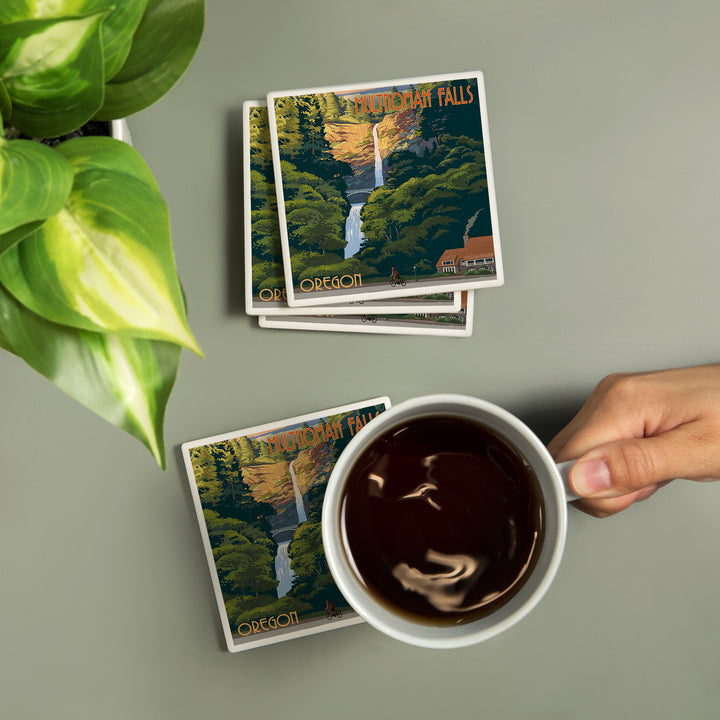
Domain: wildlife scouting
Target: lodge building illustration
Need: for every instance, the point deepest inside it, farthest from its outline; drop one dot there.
(477, 253)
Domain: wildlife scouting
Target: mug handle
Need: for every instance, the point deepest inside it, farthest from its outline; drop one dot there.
(564, 470)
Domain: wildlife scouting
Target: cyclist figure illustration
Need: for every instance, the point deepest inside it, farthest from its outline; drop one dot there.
(331, 611)
(395, 278)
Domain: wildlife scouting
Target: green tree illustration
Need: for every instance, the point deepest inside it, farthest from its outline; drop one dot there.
(208, 483)
(244, 556)
(332, 107)
(287, 123)
(266, 250)
(419, 213)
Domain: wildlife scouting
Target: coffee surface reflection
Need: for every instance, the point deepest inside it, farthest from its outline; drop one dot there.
(442, 520)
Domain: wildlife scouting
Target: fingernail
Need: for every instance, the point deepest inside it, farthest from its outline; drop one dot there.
(590, 477)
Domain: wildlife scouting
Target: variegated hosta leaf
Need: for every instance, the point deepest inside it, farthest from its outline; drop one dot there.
(101, 153)
(117, 30)
(125, 380)
(53, 73)
(163, 46)
(105, 262)
(35, 182)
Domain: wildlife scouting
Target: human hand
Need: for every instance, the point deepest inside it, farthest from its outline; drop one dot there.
(637, 432)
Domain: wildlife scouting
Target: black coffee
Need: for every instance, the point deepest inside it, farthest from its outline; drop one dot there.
(442, 520)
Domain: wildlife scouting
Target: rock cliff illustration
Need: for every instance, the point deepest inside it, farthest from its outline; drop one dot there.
(354, 144)
(272, 483)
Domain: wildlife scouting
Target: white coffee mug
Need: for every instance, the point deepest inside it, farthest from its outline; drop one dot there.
(555, 491)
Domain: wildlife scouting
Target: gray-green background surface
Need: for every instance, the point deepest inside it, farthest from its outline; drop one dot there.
(605, 126)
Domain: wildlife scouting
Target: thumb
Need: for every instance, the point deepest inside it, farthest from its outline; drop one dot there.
(625, 466)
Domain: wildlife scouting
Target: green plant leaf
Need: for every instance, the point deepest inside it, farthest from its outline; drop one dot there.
(12, 238)
(163, 46)
(117, 31)
(105, 261)
(5, 105)
(53, 72)
(35, 182)
(111, 155)
(125, 380)
(13, 10)
(4, 342)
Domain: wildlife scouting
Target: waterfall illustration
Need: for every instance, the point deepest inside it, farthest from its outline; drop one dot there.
(353, 230)
(353, 225)
(283, 572)
(378, 159)
(302, 517)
